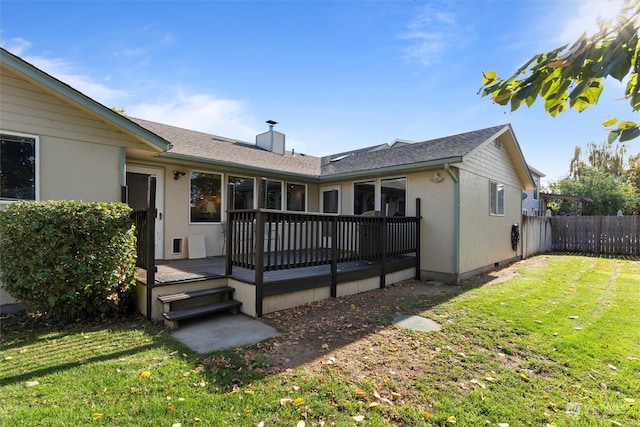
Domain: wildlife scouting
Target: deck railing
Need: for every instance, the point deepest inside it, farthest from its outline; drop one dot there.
(145, 223)
(266, 240)
(287, 240)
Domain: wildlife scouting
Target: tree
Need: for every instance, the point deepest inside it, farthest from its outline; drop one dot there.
(571, 76)
(608, 194)
(602, 157)
(606, 176)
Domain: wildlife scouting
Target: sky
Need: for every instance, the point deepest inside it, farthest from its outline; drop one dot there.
(337, 75)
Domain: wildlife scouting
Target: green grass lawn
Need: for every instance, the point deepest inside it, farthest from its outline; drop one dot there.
(557, 346)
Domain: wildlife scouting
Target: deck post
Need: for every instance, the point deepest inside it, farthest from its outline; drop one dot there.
(418, 238)
(334, 257)
(228, 266)
(151, 242)
(259, 261)
(383, 246)
(262, 193)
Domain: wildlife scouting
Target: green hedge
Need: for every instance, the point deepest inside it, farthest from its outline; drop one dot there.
(68, 260)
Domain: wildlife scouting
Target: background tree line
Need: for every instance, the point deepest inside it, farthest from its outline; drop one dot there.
(607, 175)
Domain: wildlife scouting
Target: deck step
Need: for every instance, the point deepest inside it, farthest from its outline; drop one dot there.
(204, 309)
(181, 296)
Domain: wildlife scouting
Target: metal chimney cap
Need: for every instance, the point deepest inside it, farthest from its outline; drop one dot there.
(271, 122)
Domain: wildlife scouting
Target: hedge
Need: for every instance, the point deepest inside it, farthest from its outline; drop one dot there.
(68, 260)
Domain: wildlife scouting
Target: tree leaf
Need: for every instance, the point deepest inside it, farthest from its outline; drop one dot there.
(610, 122)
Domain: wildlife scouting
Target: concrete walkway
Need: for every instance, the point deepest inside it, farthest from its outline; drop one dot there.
(222, 332)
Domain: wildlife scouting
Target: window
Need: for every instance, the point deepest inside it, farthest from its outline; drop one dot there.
(205, 196)
(296, 197)
(496, 198)
(364, 197)
(243, 192)
(18, 167)
(331, 201)
(274, 195)
(536, 184)
(392, 196)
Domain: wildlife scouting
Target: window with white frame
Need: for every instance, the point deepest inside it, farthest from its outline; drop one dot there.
(496, 198)
(296, 197)
(18, 167)
(206, 190)
(536, 184)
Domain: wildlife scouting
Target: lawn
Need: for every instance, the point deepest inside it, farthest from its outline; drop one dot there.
(558, 344)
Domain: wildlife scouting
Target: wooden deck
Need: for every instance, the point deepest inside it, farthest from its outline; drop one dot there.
(171, 272)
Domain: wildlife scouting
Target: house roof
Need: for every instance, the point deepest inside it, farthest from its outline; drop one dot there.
(449, 149)
(62, 89)
(189, 145)
(218, 150)
(535, 171)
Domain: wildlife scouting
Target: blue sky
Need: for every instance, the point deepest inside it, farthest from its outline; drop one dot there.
(336, 75)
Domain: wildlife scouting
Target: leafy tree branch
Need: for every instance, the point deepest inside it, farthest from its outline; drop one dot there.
(571, 76)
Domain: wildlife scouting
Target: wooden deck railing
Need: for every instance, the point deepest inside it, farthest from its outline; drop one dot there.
(266, 240)
(145, 222)
(287, 240)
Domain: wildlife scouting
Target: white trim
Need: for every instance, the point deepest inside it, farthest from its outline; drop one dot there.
(497, 205)
(159, 173)
(36, 139)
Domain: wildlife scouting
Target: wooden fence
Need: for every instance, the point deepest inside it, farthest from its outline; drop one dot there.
(588, 234)
(597, 234)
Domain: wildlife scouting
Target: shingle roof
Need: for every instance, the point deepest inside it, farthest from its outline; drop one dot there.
(217, 149)
(456, 146)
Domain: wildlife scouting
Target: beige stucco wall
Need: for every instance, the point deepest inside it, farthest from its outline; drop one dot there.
(437, 208)
(437, 227)
(176, 218)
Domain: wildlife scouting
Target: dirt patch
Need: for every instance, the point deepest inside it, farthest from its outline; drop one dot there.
(355, 334)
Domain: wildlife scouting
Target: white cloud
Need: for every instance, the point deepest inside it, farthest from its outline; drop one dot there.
(429, 34)
(197, 111)
(17, 46)
(584, 15)
(64, 71)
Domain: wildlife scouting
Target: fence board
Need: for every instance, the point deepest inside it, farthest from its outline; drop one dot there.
(610, 235)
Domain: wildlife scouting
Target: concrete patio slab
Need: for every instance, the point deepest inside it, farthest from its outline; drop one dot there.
(222, 332)
(417, 323)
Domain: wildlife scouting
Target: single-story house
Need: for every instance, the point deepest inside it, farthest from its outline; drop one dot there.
(469, 185)
(532, 203)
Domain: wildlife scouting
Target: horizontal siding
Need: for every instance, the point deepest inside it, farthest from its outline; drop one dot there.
(29, 109)
(494, 163)
(485, 238)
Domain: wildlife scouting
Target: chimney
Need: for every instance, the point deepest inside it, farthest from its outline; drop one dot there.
(271, 140)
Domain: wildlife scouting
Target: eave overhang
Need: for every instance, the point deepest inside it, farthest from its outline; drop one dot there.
(66, 91)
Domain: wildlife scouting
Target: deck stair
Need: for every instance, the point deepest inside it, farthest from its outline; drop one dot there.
(193, 309)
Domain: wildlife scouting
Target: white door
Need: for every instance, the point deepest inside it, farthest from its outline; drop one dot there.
(159, 175)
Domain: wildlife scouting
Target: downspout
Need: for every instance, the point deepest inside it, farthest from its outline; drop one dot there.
(456, 220)
(123, 175)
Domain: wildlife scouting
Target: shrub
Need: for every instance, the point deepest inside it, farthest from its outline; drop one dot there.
(69, 260)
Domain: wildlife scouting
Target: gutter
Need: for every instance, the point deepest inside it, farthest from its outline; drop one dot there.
(397, 168)
(456, 219)
(231, 165)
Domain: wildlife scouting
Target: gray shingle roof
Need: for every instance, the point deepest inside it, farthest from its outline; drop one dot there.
(217, 149)
(455, 146)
